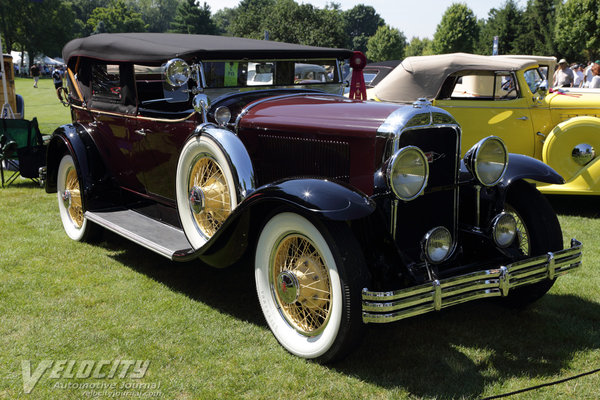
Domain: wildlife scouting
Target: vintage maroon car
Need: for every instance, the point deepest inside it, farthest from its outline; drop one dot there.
(353, 212)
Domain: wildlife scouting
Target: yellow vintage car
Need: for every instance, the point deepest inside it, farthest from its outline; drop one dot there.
(508, 97)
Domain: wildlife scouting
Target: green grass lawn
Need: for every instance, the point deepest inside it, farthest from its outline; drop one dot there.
(42, 102)
(205, 337)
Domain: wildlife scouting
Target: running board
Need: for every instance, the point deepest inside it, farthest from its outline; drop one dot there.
(154, 235)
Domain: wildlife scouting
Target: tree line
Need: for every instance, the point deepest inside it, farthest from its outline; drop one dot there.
(563, 28)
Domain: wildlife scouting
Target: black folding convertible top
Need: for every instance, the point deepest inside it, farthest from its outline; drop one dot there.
(159, 47)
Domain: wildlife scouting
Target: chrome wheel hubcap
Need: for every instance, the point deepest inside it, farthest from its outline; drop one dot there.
(197, 200)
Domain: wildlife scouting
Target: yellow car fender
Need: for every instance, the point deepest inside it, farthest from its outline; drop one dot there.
(558, 154)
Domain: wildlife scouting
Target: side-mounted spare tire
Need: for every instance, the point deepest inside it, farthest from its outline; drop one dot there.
(205, 188)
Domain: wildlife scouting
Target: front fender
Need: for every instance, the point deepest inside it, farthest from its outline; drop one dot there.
(327, 199)
(525, 167)
(317, 197)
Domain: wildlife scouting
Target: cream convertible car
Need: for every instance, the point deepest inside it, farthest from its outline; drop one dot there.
(508, 98)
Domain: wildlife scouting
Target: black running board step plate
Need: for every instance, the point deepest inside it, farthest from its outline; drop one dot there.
(154, 235)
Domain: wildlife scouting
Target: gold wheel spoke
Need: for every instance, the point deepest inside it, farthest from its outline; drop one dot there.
(297, 254)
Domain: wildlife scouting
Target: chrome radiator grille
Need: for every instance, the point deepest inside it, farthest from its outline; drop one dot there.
(438, 206)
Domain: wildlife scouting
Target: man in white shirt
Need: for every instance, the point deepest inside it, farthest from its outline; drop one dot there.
(563, 77)
(578, 74)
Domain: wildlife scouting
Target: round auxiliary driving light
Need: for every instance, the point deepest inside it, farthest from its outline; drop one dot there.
(408, 172)
(487, 160)
(177, 72)
(222, 115)
(437, 244)
(504, 229)
(583, 153)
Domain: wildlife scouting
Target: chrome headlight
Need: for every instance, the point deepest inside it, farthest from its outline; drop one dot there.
(222, 115)
(487, 160)
(437, 244)
(408, 172)
(504, 229)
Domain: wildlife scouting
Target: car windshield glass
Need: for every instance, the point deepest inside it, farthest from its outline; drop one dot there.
(222, 74)
(534, 79)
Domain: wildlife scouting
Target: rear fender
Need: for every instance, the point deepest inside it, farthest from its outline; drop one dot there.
(558, 153)
(75, 140)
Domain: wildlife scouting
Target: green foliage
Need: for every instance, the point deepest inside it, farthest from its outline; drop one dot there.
(291, 22)
(577, 27)
(361, 22)
(192, 19)
(83, 10)
(157, 14)
(387, 44)
(507, 24)
(116, 17)
(537, 34)
(249, 18)
(457, 31)
(418, 47)
(35, 27)
(223, 20)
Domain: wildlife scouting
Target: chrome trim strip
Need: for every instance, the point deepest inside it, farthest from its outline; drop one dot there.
(383, 307)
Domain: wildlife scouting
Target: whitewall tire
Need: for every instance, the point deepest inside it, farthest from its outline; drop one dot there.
(205, 189)
(309, 305)
(70, 203)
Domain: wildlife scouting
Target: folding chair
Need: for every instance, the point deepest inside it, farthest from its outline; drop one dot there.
(28, 149)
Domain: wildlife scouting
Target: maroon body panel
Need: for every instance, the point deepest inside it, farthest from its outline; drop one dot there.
(326, 136)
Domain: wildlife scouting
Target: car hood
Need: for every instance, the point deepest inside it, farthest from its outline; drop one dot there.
(324, 114)
(575, 98)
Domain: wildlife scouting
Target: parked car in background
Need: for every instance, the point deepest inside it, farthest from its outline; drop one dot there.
(17, 105)
(350, 212)
(508, 97)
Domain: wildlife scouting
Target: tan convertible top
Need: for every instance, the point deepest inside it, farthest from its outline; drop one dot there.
(423, 76)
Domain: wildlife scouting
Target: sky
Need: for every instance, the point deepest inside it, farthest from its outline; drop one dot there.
(412, 17)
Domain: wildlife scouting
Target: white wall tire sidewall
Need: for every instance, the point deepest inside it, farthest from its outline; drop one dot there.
(290, 339)
(71, 229)
(195, 146)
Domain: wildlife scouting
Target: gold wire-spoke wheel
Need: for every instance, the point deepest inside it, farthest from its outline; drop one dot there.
(301, 283)
(209, 196)
(72, 198)
(522, 233)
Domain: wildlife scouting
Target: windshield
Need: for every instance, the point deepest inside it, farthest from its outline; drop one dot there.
(239, 74)
(534, 79)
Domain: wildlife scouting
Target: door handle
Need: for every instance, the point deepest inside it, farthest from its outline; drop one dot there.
(142, 132)
(523, 118)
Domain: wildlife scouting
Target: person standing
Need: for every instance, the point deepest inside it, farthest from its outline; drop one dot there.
(35, 73)
(563, 77)
(595, 82)
(577, 74)
(57, 78)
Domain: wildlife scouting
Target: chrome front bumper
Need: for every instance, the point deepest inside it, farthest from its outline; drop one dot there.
(382, 307)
